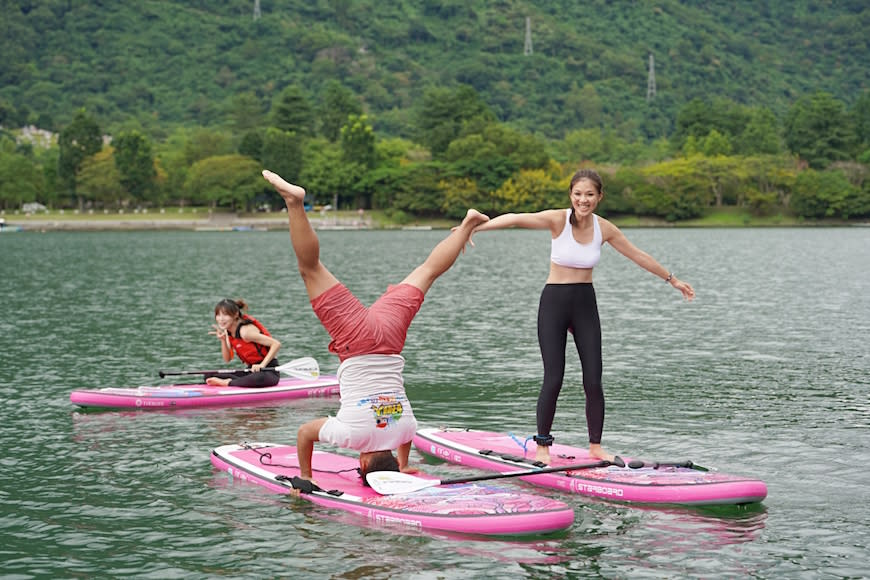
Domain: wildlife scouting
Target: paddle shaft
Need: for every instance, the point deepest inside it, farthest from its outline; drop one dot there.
(213, 372)
(526, 472)
(304, 365)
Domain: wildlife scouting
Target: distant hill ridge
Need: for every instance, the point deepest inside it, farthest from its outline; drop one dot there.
(171, 62)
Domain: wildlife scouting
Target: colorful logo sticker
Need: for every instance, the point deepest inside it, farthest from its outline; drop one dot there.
(386, 409)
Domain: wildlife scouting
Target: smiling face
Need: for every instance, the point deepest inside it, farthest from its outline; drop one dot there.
(227, 314)
(224, 319)
(585, 196)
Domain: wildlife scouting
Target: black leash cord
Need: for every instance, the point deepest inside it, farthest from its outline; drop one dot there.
(266, 459)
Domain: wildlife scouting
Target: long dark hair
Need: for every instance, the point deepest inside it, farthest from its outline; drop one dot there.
(592, 176)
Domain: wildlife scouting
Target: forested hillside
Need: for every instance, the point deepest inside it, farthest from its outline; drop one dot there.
(167, 62)
(427, 108)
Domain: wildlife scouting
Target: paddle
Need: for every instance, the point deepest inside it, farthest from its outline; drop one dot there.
(302, 368)
(393, 482)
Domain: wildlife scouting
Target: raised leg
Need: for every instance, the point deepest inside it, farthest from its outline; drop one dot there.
(306, 245)
(445, 253)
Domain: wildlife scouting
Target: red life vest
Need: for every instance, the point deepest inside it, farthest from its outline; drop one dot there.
(251, 353)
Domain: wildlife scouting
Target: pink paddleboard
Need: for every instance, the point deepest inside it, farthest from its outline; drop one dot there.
(465, 508)
(664, 484)
(188, 396)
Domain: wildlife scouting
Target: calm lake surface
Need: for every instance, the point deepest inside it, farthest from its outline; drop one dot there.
(766, 374)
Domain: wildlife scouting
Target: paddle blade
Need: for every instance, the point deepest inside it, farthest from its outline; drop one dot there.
(302, 368)
(395, 482)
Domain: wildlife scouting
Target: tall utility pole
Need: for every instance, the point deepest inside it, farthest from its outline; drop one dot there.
(527, 50)
(651, 80)
(257, 10)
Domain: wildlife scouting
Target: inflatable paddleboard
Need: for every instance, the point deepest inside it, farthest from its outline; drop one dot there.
(638, 481)
(188, 396)
(465, 508)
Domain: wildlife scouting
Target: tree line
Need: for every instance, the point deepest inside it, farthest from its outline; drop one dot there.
(812, 163)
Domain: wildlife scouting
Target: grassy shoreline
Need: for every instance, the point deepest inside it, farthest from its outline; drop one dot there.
(202, 219)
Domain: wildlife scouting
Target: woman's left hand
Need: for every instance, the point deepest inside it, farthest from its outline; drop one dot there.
(684, 287)
(256, 368)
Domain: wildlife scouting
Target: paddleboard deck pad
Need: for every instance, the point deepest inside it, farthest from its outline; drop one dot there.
(201, 395)
(464, 508)
(638, 481)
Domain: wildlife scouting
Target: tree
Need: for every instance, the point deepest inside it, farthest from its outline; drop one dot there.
(252, 145)
(761, 134)
(246, 112)
(678, 189)
(861, 120)
(358, 141)
(292, 112)
(820, 194)
(203, 142)
(715, 143)
(445, 112)
(282, 153)
(337, 103)
(331, 179)
(100, 180)
(20, 178)
(818, 130)
(225, 180)
(699, 117)
(461, 193)
(80, 139)
(530, 191)
(135, 163)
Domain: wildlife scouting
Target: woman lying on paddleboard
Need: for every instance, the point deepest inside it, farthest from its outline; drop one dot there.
(568, 299)
(245, 336)
(375, 416)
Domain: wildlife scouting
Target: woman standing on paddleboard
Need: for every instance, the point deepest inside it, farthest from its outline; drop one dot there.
(568, 299)
(245, 336)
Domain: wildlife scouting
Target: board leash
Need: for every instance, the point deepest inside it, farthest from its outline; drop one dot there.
(268, 456)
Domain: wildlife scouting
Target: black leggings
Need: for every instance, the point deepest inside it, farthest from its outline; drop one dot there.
(563, 307)
(264, 378)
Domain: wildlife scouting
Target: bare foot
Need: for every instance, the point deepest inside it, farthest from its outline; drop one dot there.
(291, 193)
(295, 492)
(543, 454)
(596, 451)
(216, 382)
(474, 218)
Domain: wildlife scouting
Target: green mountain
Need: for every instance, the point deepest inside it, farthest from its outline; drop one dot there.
(161, 63)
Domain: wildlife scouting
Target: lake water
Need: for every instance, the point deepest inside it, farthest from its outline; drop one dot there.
(765, 374)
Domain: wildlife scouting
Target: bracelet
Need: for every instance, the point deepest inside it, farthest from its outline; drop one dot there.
(670, 276)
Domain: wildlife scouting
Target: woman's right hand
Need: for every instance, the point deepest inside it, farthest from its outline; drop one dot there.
(221, 334)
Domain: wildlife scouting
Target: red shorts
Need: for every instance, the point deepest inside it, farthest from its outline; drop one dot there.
(356, 330)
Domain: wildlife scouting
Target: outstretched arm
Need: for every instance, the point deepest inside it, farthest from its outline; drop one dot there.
(612, 235)
(541, 220)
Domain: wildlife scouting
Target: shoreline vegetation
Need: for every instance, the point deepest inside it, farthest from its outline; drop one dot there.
(200, 219)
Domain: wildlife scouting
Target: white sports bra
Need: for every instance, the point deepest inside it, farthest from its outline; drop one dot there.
(568, 252)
